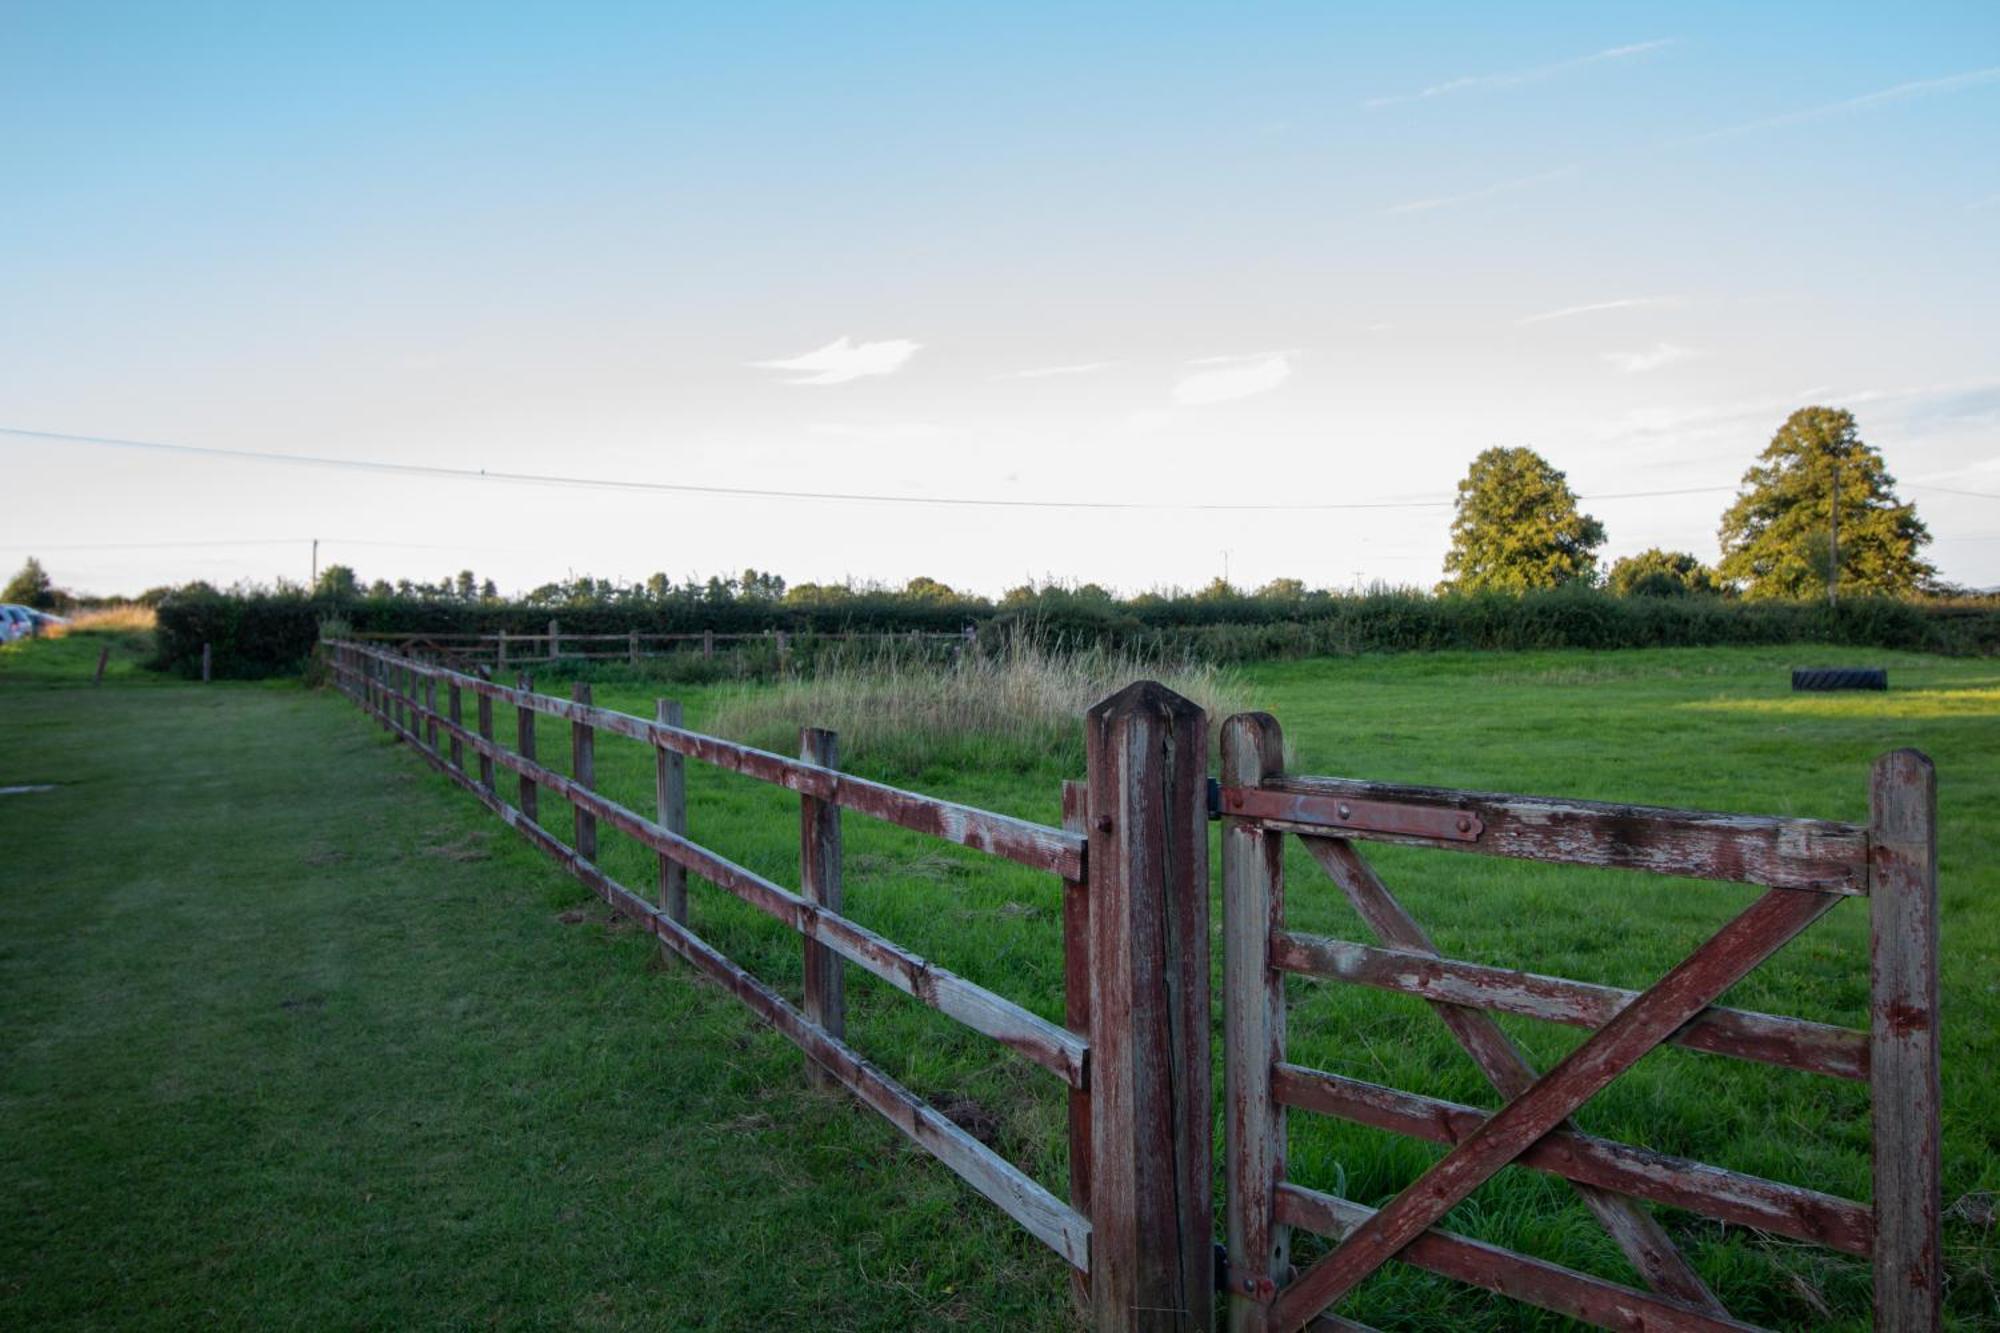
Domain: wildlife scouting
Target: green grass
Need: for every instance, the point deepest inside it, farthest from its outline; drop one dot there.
(296, 1035)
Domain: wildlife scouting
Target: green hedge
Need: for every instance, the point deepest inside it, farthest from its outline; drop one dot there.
(273, 634)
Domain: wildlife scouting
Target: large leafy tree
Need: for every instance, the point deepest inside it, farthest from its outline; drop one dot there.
(1518, 528)
(338, 581)
(1776, 538)
(1658, 573)
(31, 587)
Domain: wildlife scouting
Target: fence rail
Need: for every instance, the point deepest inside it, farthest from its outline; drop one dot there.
(507, 648)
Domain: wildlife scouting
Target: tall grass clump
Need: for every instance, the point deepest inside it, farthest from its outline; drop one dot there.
(1017, 707)
(134, 619)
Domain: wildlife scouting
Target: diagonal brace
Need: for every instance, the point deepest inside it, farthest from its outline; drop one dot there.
(1726, 958)
(1635, 1230)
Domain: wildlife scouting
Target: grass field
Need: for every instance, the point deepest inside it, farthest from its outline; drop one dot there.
(292, 1034)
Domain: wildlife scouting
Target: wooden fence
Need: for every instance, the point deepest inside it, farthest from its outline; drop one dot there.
(1806, 866)
(1133, 1051)
(505, 649)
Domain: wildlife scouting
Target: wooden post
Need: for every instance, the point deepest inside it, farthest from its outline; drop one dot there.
(784, 649)
(708, 643)
(632, 646)
(1076, 1017)
(1903, 1041)
(454, 711)
(430, 713)
(486, 734)
(1253, 899)
(501, 657)
(103, 660)
(583, 769)
(207, 662)
(1151, 1265)
(670, 807)
(819, 881)
(555, 640)
(524, 742)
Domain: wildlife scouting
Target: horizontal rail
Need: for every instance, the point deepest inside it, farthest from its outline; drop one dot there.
(1768, 1205)
(1532, 1281)
(1775, 852)
(1044, 1216)
(1790, 1043)
(1056, 1049)
(1036, 846)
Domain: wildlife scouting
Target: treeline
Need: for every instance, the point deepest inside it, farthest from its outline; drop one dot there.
(266, 633)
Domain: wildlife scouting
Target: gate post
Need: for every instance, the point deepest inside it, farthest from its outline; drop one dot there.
(1903, 1041)
(1152, 1261)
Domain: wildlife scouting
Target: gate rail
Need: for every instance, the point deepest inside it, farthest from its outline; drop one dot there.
(1806, 866)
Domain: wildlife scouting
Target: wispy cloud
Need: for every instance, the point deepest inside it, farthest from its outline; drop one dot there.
(843, 359)
(1518, 77)
(1474, 196)
(1638, 363)
(1622, 303)
(1902, 92)
(1233, 377)
(1044, 372)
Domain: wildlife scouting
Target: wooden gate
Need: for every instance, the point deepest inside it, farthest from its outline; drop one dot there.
(1806, 866)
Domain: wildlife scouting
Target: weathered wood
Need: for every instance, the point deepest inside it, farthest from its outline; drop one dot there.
(1253, 1040)
(670, 809)
(632, 648)
(454, 706)
(1750, 1201)
(524, 744)
(819, 883)
(1592, 1300)
(1791, 1043)
(500, 657)
(103, 660)
(1076, 1017)
(487, 749)
(708, 643)
(555, 639)
(1689, 987)
(1151, 1263)
(1022, 1198)
(207, 663)
(1033, 845)
(431, 703)
(1904, 1042)
(1751, 849)
(583, 767)
(1637, 1234)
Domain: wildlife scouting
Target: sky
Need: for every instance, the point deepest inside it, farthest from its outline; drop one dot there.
(1257, 279)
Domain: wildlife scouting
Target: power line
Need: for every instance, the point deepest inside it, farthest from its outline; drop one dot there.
(753, 492)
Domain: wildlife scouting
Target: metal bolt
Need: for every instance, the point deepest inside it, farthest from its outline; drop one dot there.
(1346, 811)
(1464, 824)
(1104, 823)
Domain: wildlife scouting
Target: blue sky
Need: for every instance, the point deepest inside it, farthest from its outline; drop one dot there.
(1246, 254)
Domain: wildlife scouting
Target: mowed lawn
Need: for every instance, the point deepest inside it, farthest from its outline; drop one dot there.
(292, 1034)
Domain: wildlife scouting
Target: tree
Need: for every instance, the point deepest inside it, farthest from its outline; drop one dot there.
(489, 591)
(337, 581)
(1658, 573)
(1517, 528)
(1776, 538)
(465, 587)
(32, 587)
(925, 589)
(1283, 590)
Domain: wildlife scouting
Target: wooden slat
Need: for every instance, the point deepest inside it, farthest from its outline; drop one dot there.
(1076, 1017)
(1791, 1043)
(1033, 845)
(524, 745)
(1637, 1234)
(1253, 1018)
(1749, 1201)
(583, 772)
(1536, 1282)
(1726, 958)
(1903, 1040)
(1751, 849)
(670, 811)
(1061, 1052)
(1021, 1197)
(820, 884)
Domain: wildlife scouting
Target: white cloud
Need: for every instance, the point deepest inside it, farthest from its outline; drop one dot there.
(1638, 363)
(1622, 303)
(1044, 372)
(1235, 377)
(1473, 196)
(843, 359)
(1516, 78)
(1902, 92)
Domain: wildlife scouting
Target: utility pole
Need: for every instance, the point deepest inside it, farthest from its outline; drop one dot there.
(315, 577)
(1225, 567)
(1833, 542)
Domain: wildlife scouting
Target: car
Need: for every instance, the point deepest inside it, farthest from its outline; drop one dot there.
(16, 622)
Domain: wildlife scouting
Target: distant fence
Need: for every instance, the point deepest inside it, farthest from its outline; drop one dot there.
(506, 649)
(1134, 1052)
